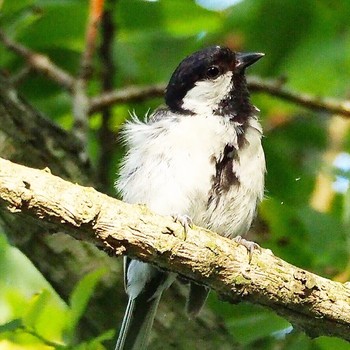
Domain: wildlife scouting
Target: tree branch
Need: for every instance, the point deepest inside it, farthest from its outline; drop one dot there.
(44, 65)
(40, 63)
(95, 16)
(270, 87)
(106, 136)
(310, 302)
(80, 97)
(128, 94)
(275, 88)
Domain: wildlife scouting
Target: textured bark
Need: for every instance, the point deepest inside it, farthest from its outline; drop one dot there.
(310, 302)
(29, 138)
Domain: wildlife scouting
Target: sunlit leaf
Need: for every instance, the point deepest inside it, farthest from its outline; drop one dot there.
(35, 309)
(81, 295)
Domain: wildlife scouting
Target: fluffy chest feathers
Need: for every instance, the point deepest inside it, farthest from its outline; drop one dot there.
(205, 166)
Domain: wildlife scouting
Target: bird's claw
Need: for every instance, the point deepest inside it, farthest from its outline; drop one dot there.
(249, 245)
(185, 221)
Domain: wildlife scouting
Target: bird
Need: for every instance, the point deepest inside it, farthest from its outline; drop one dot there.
(198, 158)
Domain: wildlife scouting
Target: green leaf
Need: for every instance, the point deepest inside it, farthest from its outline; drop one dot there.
(248, 322)
(327, 343)
(26, 295)
(68, 19)
(37, 306)
(108, 335)
(11, 326)
(326, 236)
(251, 323)
(16, 270)
(96, 343)
(287, 234)
(81, 296)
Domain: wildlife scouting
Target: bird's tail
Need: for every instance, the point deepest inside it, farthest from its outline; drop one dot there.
(137, 323)
(196, 299)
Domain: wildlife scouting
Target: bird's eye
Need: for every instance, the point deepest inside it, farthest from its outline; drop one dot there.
(213, 72)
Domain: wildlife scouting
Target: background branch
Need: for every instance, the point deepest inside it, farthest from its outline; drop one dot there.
(312, 303)
(271, 87)
(80, 96)
(40, 63)
(275, 88)
(95, 16)
(106, 136)
(124, 95)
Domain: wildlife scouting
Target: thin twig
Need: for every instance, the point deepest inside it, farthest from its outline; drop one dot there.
(128, 94)
(255, 84)
(95, 16)
(275, 88)
(80, 97)
(40, 63)
(43, 65)
(21, 75)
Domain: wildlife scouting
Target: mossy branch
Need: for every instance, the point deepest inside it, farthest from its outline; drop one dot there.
(315, 304)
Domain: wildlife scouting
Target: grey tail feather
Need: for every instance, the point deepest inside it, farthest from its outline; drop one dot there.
(125, 325)
(197, 296)
(137, 323)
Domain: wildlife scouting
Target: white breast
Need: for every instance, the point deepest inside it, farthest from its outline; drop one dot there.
(234, 213)
(169, 167)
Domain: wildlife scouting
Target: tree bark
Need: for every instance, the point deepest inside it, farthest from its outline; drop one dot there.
(310, 302)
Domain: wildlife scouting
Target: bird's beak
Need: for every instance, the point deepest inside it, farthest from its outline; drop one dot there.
(245, 59)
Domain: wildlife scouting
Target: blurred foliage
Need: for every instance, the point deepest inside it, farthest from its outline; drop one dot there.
(32, 315)
(306, 42)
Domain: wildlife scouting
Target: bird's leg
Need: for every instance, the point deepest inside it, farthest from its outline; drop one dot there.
(185, 221)
(250, 246)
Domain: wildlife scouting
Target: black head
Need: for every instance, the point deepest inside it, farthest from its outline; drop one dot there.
(204, 78)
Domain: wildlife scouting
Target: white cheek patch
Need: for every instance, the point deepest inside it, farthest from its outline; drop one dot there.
(205, 96)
